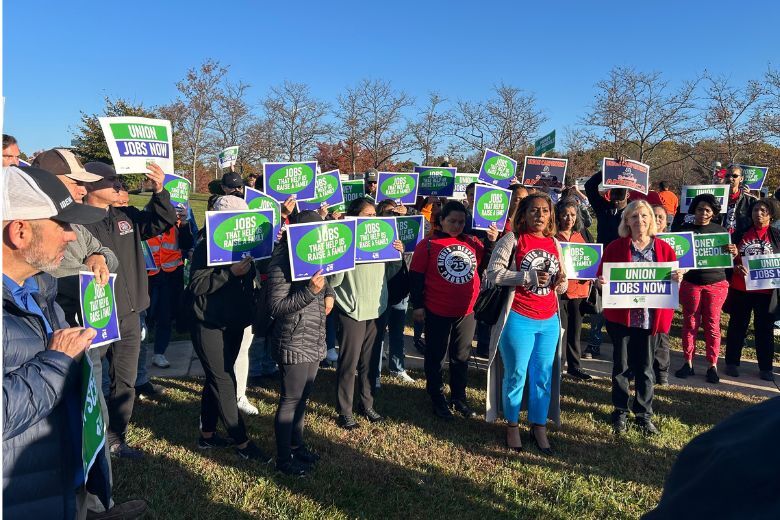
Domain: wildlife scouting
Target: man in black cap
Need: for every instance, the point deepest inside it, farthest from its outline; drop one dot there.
(122, 229)
(371, 177)
(233, 184)
(42, 370)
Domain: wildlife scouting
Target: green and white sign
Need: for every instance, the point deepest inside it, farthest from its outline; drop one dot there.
(134, 142)
(462, 181)
(93, 428)
(643, 285)
(228, 157)
(712, 251)
(719, 191)
(544, 143)
(353, 190)
(763, 272)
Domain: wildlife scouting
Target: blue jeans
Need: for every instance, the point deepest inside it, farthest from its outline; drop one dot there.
(396, 319)
(260, 361)
(528, 347)
(596, 324)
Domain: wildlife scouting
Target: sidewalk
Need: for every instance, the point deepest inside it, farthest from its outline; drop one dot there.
(185, 363)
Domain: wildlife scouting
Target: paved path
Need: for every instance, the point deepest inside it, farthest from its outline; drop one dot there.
(185, 363)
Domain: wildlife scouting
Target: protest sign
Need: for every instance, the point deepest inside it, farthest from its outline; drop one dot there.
(232, 235)
(328, 246)
(353, 190)
(581, 261)
(497, 169)
(400, 187)
(327, 192)
(544, 143)
(282, 179)
(712, 251)
(98, 308)
(683, 245)
(491, 206)
(763, 272)
(644, 285)
(374, 238)
(228, 157)
(719, 191)
(411, 230)
(753, 176)
(434, 180)
(151, 265)
(134, 142)
(542, 172)
(93, 428)
(632, 175)
(462, 181)
(179, 188)
(256, 199)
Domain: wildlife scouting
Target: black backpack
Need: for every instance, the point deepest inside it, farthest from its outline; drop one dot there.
(398, 286)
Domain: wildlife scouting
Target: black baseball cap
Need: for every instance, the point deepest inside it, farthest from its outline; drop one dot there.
(232, 180)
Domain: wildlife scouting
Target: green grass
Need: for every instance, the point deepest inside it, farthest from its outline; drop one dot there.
(197, 201)
(412, 465)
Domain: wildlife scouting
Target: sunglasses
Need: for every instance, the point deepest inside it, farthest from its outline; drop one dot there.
(732, 176)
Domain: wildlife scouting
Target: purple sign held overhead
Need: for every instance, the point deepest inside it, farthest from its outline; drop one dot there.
(374, 238)
(256, 199)
(497, 169)
(328, 193)
(439, 181)
(233, 235)
(632, 175)
(328, 246)
(282, 179)
(491, 206)
(400, 187)
(98, 308)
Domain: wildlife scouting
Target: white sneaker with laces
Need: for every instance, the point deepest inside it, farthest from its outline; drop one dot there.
(245, 406)
(332, 356)
(159, 360)
(404, 377)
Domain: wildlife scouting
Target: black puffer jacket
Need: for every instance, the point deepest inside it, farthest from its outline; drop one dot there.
(221, 299)
(298, 332)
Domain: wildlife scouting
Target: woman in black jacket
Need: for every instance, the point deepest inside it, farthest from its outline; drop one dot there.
(297, 341)
(223, 307)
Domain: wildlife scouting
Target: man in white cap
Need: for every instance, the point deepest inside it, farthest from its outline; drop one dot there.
(42, 371)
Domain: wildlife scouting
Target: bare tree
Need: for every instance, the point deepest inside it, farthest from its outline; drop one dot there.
(430, 127)
(298, 118)
(350, 115)
(771, 107)
(513, 119)
(635, 112)
(469, 125)
(260, 142)
(231, 118)
(198, 91)
(384, 132)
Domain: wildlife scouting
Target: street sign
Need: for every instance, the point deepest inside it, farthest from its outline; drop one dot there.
(544, 143)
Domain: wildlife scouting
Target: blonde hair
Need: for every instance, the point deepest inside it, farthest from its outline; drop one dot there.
(624, 230)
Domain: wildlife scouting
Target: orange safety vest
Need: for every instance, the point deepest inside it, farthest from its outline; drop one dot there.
(165, 250)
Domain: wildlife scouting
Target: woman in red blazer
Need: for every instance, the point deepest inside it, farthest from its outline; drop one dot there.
(631, 330)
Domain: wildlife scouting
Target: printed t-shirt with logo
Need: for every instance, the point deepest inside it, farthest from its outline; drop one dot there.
(730, 222)
(449, 265)
(754, 242)
(537, 254)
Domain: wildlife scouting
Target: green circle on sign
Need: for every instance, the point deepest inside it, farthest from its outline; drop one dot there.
(301, 173)
(377, 227)
(241, 232)
(336, 232)
(325, 188)
(492, 205)
(588, 258)
(500, 168)
(398, 186)
(104, 307)
(267, 203)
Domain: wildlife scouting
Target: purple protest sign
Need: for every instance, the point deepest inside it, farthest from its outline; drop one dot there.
(98, 308)
(497, 169)
(232, 235)
(374, 240)
(282, 179)
(328, 193)
(151, 265)
(411, 230)
(684, 248)
(581, 260)
(400, 187)
(256, 199)
(179, 189)
(436, 180)
(632, 175)
(328, 246)
(491, 206)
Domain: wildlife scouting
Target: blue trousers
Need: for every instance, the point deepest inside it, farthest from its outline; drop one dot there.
(528, 349)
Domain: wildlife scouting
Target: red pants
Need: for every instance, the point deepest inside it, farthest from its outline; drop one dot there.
(701, 306)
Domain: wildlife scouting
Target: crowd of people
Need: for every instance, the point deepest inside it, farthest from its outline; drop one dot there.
(250, 319)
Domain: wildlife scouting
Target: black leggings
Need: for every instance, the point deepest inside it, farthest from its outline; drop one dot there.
(297, 384)
(741, 305)
(358, 351)
(447, 335)
(217, 350)
(571, 321)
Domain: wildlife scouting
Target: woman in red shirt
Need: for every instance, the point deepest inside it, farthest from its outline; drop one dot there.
(444, 283)
(759, 239)
(570, 230)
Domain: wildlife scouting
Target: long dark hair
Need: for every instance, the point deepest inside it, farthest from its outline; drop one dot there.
(519, 224)
(568, 202)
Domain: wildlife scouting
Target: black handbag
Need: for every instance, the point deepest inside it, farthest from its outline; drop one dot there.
(489, 304)
(591, 304)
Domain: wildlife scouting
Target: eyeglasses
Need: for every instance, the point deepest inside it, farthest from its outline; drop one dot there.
(732, 176)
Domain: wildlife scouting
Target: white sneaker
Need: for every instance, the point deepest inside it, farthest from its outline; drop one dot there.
(245, 406)
(159, 360)
(404, 377)
(332, 356)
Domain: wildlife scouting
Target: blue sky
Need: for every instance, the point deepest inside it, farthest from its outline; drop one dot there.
(64, 57)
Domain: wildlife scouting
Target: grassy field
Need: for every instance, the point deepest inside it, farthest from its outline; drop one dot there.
(413, 465)
(197, 201)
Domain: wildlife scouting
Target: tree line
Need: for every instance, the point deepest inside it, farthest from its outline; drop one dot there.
(680, 129)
